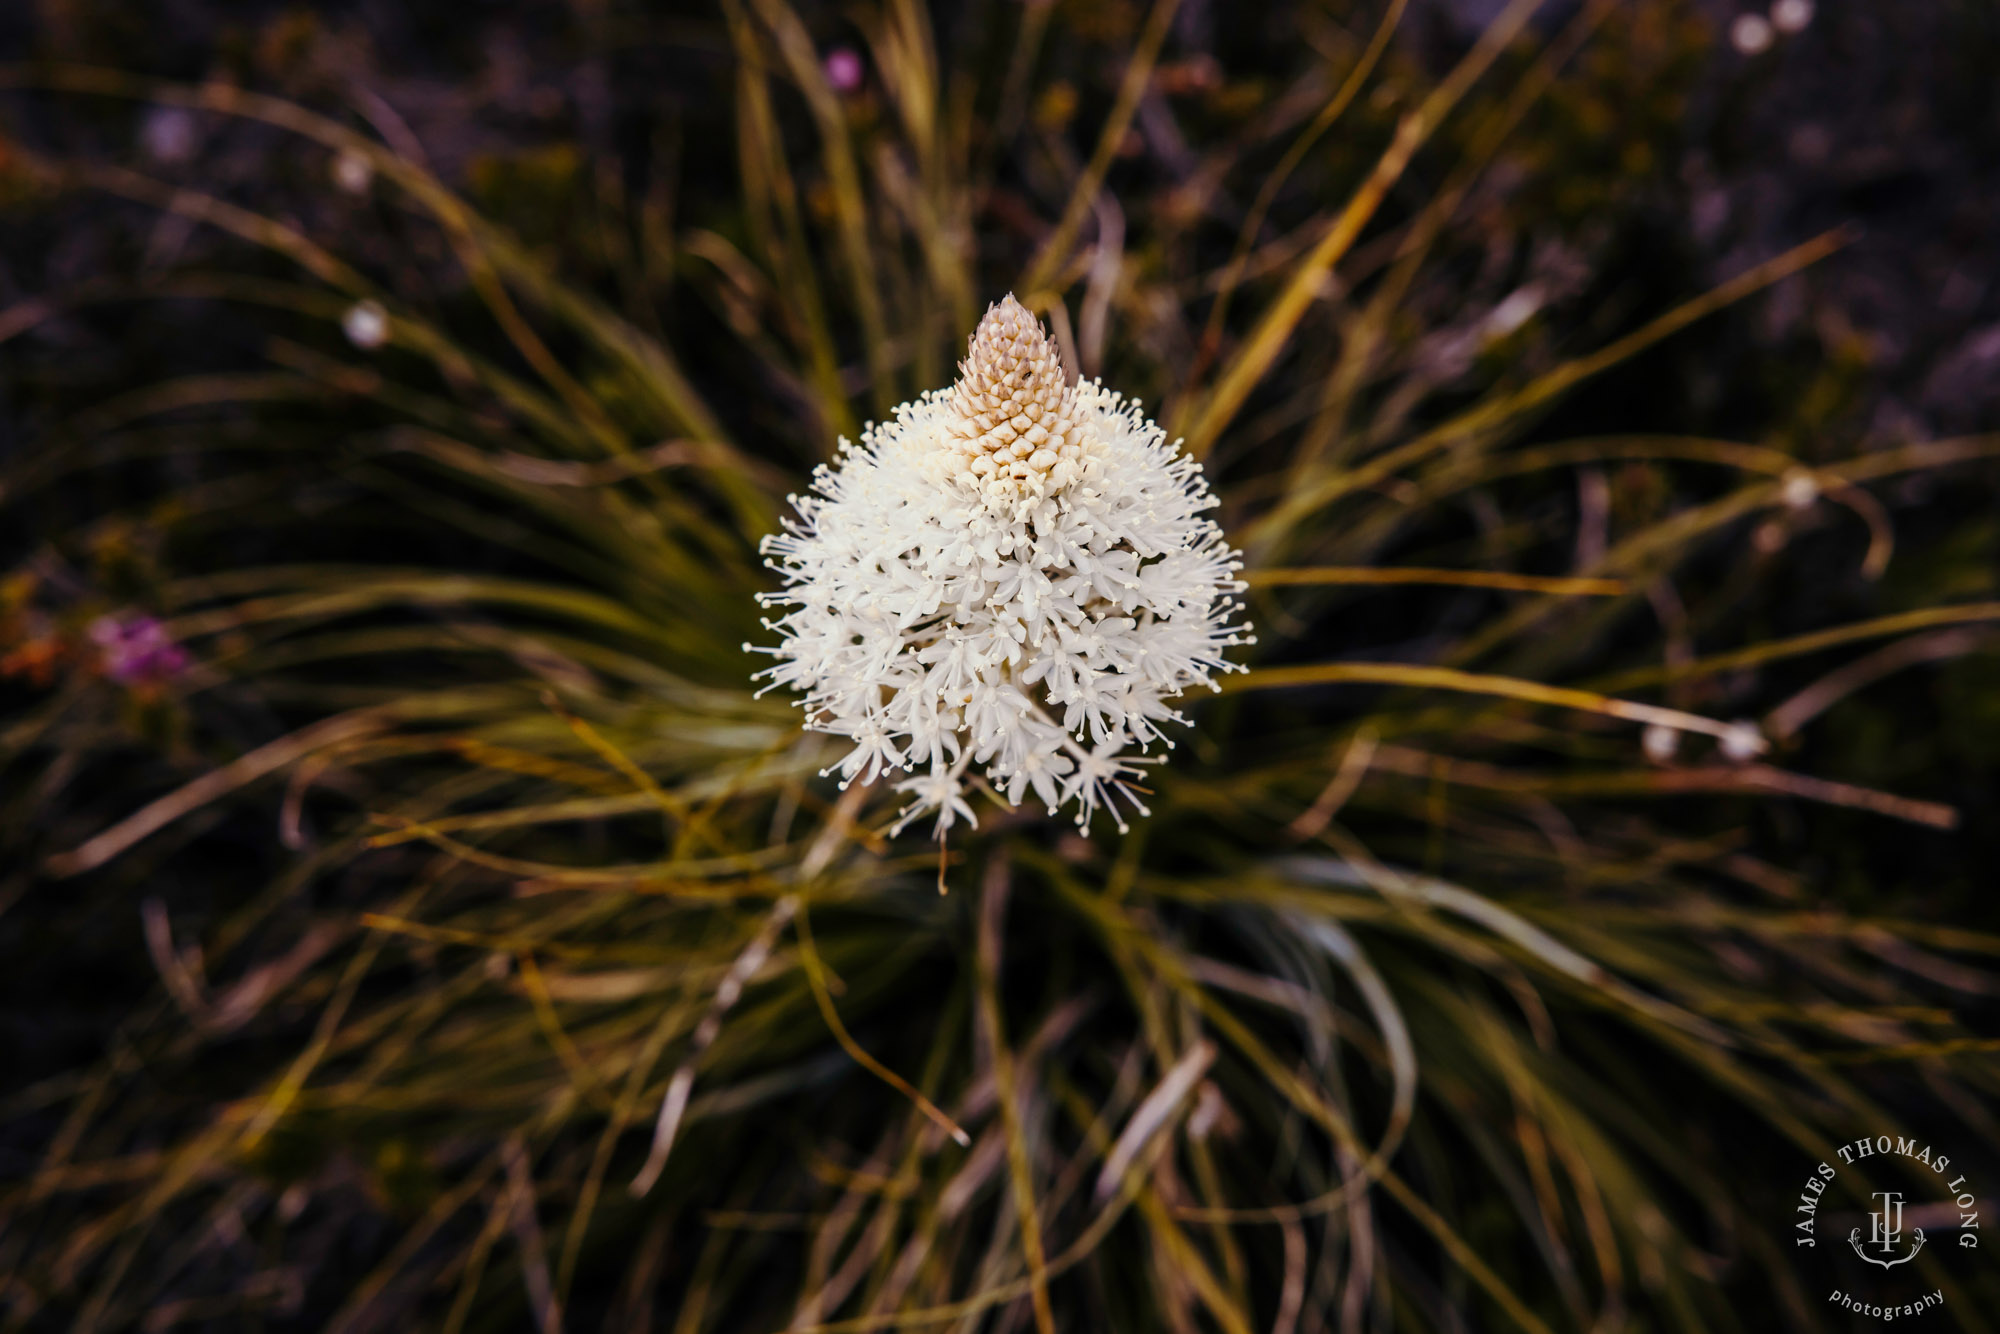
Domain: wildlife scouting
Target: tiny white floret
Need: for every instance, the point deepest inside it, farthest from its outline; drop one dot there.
(1014, 574)
(1791, 15)
(366, 325)
(352, 173)
(1751, 34)
(1743, 741)
(1799, 489)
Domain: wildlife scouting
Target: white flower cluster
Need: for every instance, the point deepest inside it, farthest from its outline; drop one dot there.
(1014, 573)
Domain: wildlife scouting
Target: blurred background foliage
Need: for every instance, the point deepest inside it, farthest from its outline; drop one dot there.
(411, 920)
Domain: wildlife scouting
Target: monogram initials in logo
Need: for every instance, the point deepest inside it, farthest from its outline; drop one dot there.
(1885, 1229)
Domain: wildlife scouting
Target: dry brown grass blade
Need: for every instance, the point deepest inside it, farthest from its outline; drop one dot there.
(1430, 767)
(1138, 72)
(184, 801)
(670, 878)
(1260, 351)
(1284, 577)
(1074, 1254)
(1006, 1088)
(321, 264)
(622, 1113)
(768, 190)
(1152, 1115)
(588, 1086)
(287, 1088)
(1765, 778)
(674, 1104)
(1365, 332)
(1657, 547)
(1346, 780)
(691, 825)
(1473, 683)
(815, 972)
(1310, 1101)
(1274, 329)
(655, 372)
(1181, 1260)
(242, 222)
(1495, 413)
(795, 46)
(543, 1304)
(1773, 650)
(1253, 222)
(1786, 720)
(354, 1310)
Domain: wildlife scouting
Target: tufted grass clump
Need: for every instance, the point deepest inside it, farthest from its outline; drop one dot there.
(445, 935)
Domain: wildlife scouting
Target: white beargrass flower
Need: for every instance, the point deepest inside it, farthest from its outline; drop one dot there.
(1015, 575)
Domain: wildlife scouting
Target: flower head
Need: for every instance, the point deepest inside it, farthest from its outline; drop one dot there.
(1014, 574)
(136, 650)
(843, 69)
(366, 325)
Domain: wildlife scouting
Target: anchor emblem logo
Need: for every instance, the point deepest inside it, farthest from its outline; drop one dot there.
(1885, 1229)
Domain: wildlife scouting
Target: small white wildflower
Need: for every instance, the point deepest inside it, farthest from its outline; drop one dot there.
(1519, 307)
(1743, 741)
(1799, 489)
(1750, 34)
(169, 134)
(1659, 742)
(352, 172)
(366, 325)
(1209, 1111)
(1015, 574)
(1791, 15)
